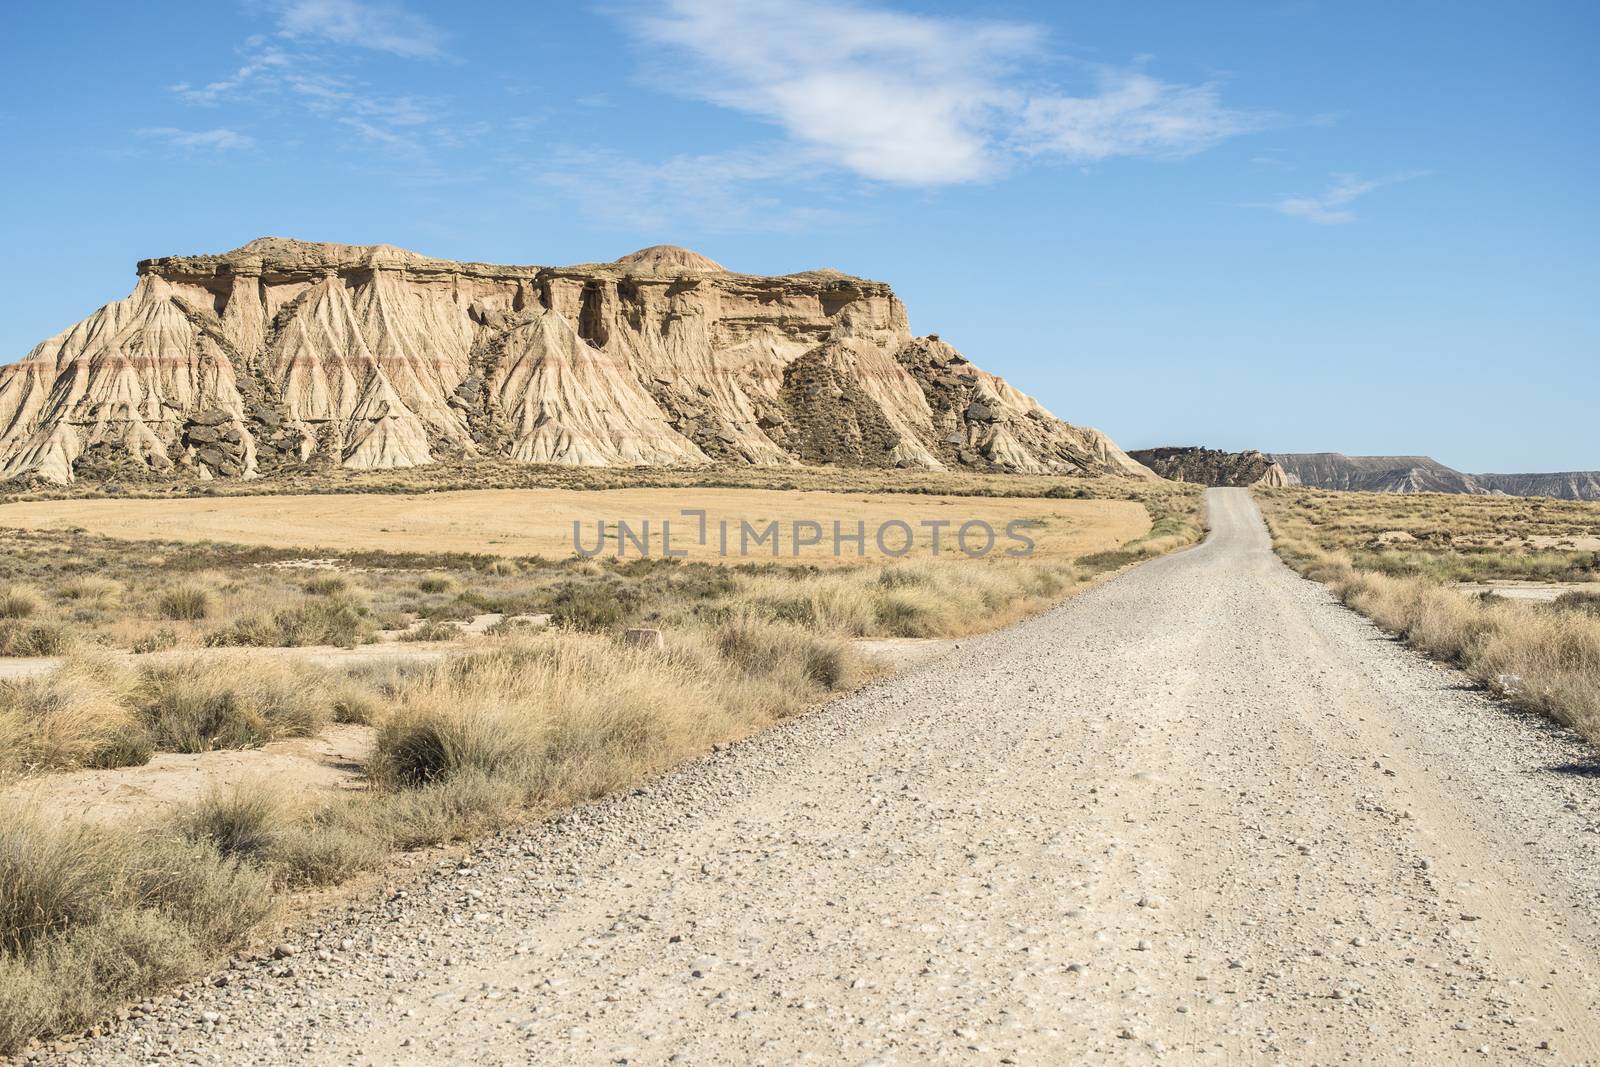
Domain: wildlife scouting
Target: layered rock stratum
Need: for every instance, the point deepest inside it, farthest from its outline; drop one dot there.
(1209, 466)
(288, 355)
(1420, 474)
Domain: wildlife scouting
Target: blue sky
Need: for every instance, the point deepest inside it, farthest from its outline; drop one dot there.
(1293, 225)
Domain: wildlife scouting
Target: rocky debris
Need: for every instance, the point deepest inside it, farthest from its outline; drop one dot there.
(285, 354)
(1207, 466)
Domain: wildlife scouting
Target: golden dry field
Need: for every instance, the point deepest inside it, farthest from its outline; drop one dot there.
(539, 522)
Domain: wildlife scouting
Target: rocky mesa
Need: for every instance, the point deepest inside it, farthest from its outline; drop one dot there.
(290, 355)
(1210, 466)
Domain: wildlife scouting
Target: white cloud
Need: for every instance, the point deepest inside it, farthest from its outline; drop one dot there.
(287, 65)
(381, 27)
(715, 192)
(1333, 207)
(220, 140)
(1133, 114)
(917, 99)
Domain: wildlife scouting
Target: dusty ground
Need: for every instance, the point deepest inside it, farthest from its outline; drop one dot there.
(309, 767)
(1198, 814)
(527, 522)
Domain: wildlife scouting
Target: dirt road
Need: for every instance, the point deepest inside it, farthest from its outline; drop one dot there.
(1197, 814)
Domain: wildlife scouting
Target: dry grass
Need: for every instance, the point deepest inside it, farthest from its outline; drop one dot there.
(1545, 657)
(572, 716)
(199, 702)
(184, 603)
(91, 918)
(18, 602)
(81, 715)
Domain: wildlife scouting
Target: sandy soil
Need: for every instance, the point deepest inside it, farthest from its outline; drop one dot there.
(526, 522)
(307, 767)
(1199, 814)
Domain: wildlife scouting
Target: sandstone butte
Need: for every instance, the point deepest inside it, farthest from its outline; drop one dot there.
(287, 355)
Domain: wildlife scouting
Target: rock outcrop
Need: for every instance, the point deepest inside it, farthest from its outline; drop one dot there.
(1208, 466)
(1563, 485)
(1420, 474)
(288, 355)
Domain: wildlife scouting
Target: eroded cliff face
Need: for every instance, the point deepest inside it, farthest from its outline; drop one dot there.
(1208, 466)
(286, 355)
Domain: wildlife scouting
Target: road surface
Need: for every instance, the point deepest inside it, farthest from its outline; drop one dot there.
(1199, 814)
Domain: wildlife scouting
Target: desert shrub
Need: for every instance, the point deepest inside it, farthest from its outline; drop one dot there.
(432, 631)
(73, 980)
(156, 641)
(18, 602)
(758, 647)
(510, 626)
(51, 877)
(90, 918)
(464, 805)
(570, 716)
(902, 576)
(322, 853)
(392, 619)
(431, 740)
(44, 638)
(353, 701)
(504, 567)
(91, 589)
(435, 583)
(329, 620)
(1577, 600)
(1109, 561)
(326, 585)
(592, 608)
(78, 715)
(244, 820)
(904, 614)
(184, 603)
(204, 702)
(835, 603)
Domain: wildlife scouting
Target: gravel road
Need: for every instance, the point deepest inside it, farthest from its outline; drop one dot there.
(1197, 814)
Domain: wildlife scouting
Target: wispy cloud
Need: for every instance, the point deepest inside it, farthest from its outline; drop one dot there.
(1334, 206)
(381, 27)
(919, 99)
(736, 191)
(300, 63)
(1131, 114)
(219, 140)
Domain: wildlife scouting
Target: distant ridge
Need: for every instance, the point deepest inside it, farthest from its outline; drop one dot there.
(1422, 474)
